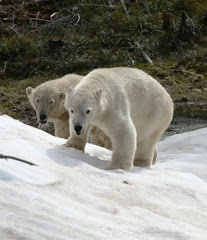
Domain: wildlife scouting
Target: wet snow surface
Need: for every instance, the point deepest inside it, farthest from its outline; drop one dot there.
(70, 195)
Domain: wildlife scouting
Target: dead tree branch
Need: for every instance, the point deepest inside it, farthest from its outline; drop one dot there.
(94, 5)
(77, 19)
(17, 159)
(141, 31)
(146, 57)
(125, 8)
(188, 72)
(187, 24)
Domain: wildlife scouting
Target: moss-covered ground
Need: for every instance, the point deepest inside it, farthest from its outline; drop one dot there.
(42, 40)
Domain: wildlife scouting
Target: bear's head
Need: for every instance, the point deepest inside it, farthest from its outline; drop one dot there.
(82, 107)
(47, 102)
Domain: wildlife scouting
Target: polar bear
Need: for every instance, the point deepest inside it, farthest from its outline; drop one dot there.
(48, 99)
(130, 106)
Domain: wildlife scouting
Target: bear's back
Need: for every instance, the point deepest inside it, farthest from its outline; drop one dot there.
(62, 84)
(129, 88)
(124, 79)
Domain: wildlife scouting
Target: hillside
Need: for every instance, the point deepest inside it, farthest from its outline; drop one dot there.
(70, 195)
(41, 40)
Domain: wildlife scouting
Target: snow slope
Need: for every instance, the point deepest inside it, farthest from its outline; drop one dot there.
(70, 195)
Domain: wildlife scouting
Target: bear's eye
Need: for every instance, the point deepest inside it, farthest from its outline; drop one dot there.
(88, 111)
(51, 102)
(37, 100)
(71, 111)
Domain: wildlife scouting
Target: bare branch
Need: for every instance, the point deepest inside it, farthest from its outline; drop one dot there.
(187, 22)
(131, 59)
(12, 27)
(146, 57)
(37, 16)
(140, 37)
(39, 19)
(77, 19)
(17, 159)
(125, 8)
(94, 5)
(188, 72)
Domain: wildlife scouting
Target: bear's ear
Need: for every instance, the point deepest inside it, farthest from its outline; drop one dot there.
(29, 90)
(98, 94)
(62, 96)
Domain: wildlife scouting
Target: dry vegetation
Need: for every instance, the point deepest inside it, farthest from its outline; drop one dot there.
(43, 39)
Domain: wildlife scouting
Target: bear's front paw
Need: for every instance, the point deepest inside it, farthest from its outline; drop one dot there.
(74, 144)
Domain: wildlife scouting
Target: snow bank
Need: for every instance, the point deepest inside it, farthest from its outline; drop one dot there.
(70, 195)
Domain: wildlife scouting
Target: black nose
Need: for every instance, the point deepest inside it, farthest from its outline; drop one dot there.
(78, 128)
(43, 118)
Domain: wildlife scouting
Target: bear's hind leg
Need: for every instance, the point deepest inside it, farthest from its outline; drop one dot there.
(154, 160)
(146, 153)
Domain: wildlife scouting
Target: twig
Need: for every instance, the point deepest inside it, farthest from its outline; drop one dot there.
(77, 20)
(89, 5)
(13, 29)
(50, 22)
(37, 15)
(53, 15)
(188, 72)
(125, 8)
(140, 37)
(186, 21)
(180, 71)
(146, 57)
(5, 67)
(17, 159)
(40, 19)
(131, 59)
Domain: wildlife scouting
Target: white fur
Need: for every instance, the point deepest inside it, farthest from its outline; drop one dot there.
(51, 97)
(130, 106)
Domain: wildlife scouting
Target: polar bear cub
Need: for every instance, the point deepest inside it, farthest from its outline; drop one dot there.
(130, 106)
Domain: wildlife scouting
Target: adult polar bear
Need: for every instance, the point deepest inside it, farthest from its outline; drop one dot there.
(130, 106)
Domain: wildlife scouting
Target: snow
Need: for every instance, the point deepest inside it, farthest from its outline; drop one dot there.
(70, 195)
